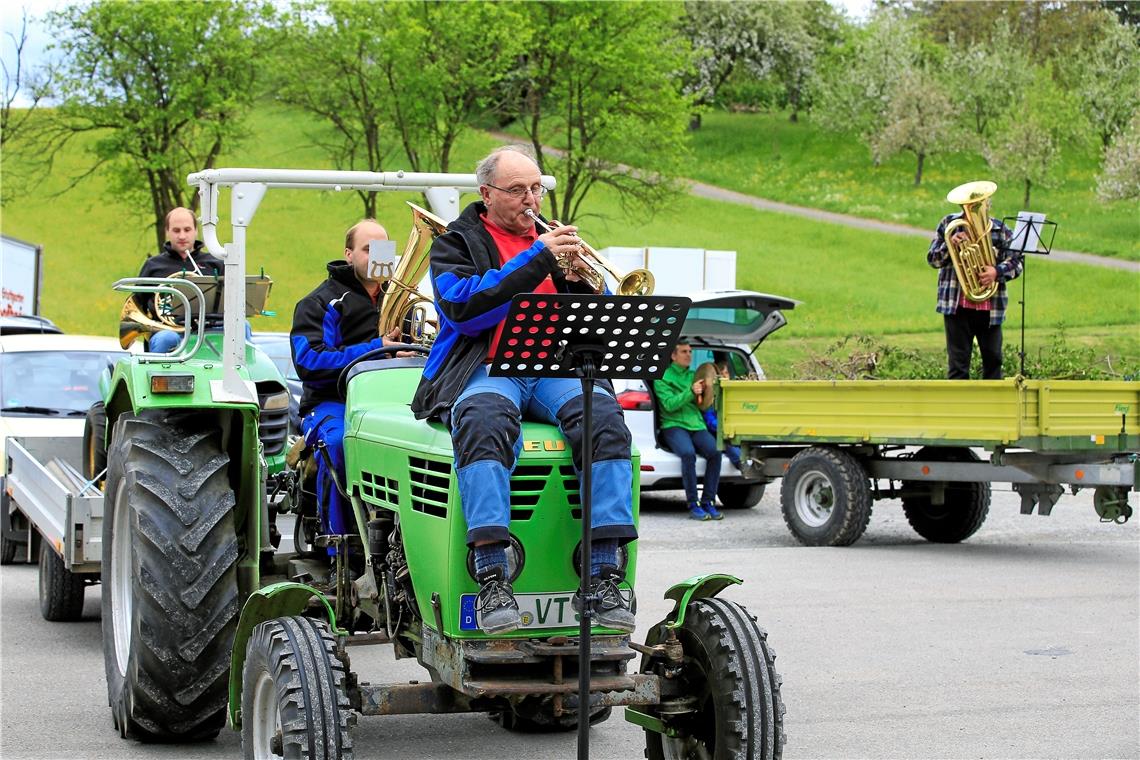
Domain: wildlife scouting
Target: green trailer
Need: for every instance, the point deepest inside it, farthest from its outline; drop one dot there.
(937, 444)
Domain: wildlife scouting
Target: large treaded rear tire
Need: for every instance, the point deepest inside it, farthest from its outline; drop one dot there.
(61, 591)
(825, 497)
(294, 701)
(731, 672)
(963, 510)
(170, 596)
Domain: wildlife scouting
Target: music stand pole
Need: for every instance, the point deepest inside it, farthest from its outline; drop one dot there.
(589, 337)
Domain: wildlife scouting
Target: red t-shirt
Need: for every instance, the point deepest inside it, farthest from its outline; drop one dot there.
(511, 245)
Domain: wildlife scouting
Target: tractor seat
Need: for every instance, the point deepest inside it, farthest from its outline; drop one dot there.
(381, 364)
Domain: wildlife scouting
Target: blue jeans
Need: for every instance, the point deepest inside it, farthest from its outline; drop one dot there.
(486, 430)
(687, 444)
(165, 341)
(326, 423)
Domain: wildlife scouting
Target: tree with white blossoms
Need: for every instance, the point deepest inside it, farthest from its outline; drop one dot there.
(985, 75)
(1027, 140)
(920, 119)
(889, 91)
(1120, 177)
(1106, 78)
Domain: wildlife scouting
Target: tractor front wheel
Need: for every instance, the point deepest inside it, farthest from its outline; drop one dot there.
(731, 705)
(294, 701)
(170, 593)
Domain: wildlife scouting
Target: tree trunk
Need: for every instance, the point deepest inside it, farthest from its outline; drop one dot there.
(694, 122)
(1025, 204)
(918, 171)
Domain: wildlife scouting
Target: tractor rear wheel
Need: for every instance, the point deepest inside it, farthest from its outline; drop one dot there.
(730, 687)
(170, 592)
(294, 701)
(61, 591)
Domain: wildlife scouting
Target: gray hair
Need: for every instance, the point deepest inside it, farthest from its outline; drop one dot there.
(485, 169)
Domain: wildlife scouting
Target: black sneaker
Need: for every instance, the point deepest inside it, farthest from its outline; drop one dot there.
(495, 607)
(615, 605)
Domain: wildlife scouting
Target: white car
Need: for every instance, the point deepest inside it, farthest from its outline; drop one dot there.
(722, 324)
(48, 381)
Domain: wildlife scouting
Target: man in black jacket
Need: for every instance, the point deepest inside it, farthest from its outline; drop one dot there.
(333, 326)
(182, 252)
(489, 254)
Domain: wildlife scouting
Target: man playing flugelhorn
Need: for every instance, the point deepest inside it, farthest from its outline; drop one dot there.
(978, 247)
(488, 255)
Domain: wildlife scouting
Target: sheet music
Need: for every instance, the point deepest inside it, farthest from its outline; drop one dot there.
(1027, 232)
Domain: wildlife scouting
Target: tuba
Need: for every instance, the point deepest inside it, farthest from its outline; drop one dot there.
(970, 259)
(403, 307)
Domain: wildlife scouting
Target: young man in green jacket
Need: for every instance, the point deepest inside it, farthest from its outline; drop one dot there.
(684, 432)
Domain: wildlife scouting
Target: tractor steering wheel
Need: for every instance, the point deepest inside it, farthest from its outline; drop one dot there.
(342, 379)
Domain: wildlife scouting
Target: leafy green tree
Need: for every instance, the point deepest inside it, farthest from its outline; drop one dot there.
(1106, 77)
(1120, 177)
(596, 88)
(1027, 140)
(985, 76)
(162, 87)
(396, 78)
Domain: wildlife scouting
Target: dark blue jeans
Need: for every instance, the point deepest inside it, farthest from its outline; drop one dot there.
(687, 444)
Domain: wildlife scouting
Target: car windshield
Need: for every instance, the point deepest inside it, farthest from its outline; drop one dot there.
(52, 382)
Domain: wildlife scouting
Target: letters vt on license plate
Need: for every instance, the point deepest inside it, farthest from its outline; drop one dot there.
(536, 611)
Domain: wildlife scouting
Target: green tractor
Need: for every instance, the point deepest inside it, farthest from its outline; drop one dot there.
(204, 620)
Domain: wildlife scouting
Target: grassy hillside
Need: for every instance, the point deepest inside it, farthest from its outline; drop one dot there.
(850, 281)
(768, 156)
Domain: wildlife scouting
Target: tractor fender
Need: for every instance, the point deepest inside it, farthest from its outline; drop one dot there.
(274, 601)
(697, 587)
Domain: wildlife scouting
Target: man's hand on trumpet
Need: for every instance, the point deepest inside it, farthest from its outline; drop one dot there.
(564, 243)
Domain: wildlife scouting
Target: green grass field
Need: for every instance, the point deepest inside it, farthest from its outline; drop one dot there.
(766, 155)
(850, 281)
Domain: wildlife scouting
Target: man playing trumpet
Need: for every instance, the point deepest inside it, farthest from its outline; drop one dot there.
(488, 255)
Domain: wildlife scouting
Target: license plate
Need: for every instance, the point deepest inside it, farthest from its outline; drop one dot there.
(536, 611)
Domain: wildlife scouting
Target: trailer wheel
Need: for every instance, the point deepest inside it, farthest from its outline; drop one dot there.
(9, 544)
(95, 442)
(825, 497)
(294, 701)
(740, 495)
(61, 591)
(963, 509)
(729, 686)
(170, 596)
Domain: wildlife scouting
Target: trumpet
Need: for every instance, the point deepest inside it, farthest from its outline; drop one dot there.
(638, 282)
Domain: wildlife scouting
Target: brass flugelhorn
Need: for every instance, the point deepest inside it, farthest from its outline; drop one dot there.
(638, 282)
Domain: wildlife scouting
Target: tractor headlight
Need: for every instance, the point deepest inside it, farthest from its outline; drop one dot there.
(622, 558)
(516, 558)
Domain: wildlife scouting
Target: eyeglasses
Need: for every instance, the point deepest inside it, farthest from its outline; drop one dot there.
(520, 192)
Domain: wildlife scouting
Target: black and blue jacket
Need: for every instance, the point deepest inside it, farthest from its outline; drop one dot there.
(332, 326)
(473, 293)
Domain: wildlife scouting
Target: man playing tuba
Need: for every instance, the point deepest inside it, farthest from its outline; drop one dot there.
(332, 326)
(970, 245)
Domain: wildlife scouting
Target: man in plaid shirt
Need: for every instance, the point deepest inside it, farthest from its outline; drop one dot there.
(964, 319)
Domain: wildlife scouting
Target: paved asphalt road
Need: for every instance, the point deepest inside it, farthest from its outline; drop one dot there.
(1022, 642)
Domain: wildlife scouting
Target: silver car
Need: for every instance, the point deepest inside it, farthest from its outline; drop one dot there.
(723, 324)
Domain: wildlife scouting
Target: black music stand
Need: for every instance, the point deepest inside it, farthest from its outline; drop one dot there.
(589, 337)
(1028, 237)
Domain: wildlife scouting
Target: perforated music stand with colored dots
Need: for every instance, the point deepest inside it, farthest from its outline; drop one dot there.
(590, 337)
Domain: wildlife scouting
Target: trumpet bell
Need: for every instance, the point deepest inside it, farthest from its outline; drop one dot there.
(638, 282)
